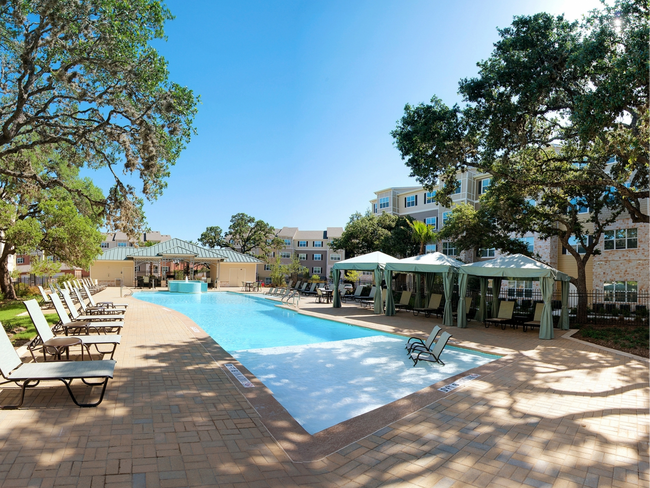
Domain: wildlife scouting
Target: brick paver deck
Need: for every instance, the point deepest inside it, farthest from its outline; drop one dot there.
(552, 413)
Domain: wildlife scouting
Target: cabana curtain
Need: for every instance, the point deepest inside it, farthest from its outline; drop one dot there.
(462, 291)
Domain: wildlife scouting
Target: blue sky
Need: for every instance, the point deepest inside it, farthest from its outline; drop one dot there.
(298, 99)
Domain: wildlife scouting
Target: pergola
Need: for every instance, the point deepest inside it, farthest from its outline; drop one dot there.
(515, 266)
(428, 264)
(374, 261)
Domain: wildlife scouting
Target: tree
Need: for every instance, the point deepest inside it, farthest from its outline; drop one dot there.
(58, 221)
(423, 234)
(80, 79)
(45, 266)
(279, 271)
(557, 115)
(368, 233)
(244, 235)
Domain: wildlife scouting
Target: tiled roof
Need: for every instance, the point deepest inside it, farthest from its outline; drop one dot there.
(176, 247)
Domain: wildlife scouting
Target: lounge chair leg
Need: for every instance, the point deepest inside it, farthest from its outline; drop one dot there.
(22, 395)
(86, 405)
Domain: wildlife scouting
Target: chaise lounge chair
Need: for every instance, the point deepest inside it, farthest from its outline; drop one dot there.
(91, 300)
(417, 343)
(537, 318)
(46, 335)
(353, 297)
(29, 375)
(431, 355)
(95, 310)
(78, 317)
(433, 308)
(504, 317)
(47, 301)
(81, 325)
(404, 301)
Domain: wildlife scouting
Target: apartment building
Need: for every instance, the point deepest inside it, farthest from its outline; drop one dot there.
(23, 264)
(313, 250)
(120, 239)
(621, 267)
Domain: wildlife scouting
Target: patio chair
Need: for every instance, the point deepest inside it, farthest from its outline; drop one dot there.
(29, 375)
(370, 298)
(404, 301)
(47, 301)
(91, 300)
(417, 343)
(94, 310)
(432, 355)
(81, 325)
(311, 290)
(468, 306)
(536, 318)
(504, 317)
(353, 297)
(46, 335)
(297, 285)
(434, 306)
(78, 317)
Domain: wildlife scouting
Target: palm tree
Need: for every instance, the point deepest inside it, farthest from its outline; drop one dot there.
(423, 234)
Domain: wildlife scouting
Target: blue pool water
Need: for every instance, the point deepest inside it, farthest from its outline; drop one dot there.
(322, 372)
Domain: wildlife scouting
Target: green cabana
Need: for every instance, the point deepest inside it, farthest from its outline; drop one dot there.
(513, 267)
(429, 264)
(374, 261)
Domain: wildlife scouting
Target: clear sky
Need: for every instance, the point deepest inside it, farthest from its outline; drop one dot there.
(298, 99)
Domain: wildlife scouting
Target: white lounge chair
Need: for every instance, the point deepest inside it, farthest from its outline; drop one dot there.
(91, 300)
(431, 355)
(28, 375)
(78, 317)
(81, 325)
(46, 334)
(94, 310)
(416, 343)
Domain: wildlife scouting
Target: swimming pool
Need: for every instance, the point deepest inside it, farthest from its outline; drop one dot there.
(322, 372)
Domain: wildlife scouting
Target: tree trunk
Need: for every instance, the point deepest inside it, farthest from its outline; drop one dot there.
(6, 286)
(581, 287)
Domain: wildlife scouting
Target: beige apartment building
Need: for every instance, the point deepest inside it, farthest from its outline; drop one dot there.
(312, 248)
(622, 267)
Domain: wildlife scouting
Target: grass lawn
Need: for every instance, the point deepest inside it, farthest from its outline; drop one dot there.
(20, 329)
(626, 338)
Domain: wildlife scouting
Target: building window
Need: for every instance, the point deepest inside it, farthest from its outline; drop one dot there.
(520, 288)
(318, 257)
(317, 270)
(51, 259)
(302, 257)
(302, 243)
(459, 186)
(267, 281)
(429, 197)
(621, 291)
(155, 268)
(579, 205)
(383, 202)
(20, 260)
(445, 217)
(165, 269)
(411, 201)
(483, 185)
(530, 243)
(621, 239)
(486, 252)
(574, 242)
(104, 245)
(121, 244)
(449, 249)
(285, 255)
(335, 257)
(318, 243)
(431, 221)
(429, 248)
(267, 267)
(287, 242)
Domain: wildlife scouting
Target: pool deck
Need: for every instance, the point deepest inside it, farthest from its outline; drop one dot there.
(550, 413)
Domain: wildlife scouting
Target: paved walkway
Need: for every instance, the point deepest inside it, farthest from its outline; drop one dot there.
(555, 413)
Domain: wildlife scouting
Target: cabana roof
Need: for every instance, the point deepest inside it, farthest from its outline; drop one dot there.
(366, 262)
(513, 266)
(434, 262)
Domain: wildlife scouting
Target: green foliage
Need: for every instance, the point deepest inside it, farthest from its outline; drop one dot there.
(44, 267)
(367, 233)
(352, 276)
(25, 291)
(279, 271)
(80, 79)
(315, 279)
(422, 234)
(244, 235)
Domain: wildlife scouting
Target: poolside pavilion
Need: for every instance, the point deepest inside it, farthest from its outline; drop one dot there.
(512, 267)
(427, 264)
(374, 261)
(227, 267)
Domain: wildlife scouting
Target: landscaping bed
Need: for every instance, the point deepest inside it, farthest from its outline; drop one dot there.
(19, 328)
(632, 339)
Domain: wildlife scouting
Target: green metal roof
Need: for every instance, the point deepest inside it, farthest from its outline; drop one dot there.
(176, 247)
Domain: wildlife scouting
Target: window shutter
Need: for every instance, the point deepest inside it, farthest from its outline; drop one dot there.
(404, 202)
(563, 250)
(424, 198)
(416, 200)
